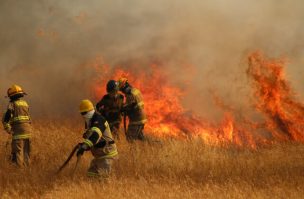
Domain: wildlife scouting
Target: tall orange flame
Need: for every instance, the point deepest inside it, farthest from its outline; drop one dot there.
(275, 99)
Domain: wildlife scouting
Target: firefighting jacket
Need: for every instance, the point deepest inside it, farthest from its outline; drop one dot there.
(17, 119)
(99, 139)
(110, 108)
(134, 107)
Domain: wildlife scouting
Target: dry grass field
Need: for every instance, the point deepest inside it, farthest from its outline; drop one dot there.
(170, 169)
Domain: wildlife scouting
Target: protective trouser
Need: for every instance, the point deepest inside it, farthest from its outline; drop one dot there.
(115, 130)
(21, 152)
(100, 168)
(135, 132)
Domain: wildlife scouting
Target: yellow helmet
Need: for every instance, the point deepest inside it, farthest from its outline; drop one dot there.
(86, 106)
(14, 90)
(122, 82)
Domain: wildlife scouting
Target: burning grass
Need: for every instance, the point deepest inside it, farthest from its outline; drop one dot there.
(273, 99)
(170, 169)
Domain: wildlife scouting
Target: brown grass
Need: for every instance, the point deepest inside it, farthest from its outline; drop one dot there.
(171, 169)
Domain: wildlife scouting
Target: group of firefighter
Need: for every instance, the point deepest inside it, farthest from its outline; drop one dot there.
(102, 125)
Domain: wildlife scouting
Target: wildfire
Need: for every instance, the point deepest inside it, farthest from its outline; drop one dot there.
(168, 118)
(275, 99)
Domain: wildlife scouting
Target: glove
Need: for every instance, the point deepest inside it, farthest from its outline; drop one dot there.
(8, 128)
(83, 147)
(8, 131)
(80, 152)
(86, 135)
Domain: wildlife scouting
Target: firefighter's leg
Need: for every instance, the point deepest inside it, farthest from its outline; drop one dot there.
(17, 151)
(115, 131)
(131, 133)
(26, 152)
(100, 168)
(13, 154)
(135, 132)
(105, 167)
(140, 132)
(93, 169)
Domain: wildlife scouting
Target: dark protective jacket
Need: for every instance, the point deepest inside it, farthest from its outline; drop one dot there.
(110, 108)
(134, 107)
(99, 139)
(17, 119)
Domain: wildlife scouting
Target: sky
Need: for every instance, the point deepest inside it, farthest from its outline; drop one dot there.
(48, 47)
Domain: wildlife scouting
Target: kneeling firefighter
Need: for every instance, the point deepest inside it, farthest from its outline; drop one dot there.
(17, 121)
(99, 140)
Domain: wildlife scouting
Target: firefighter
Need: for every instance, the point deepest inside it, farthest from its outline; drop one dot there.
(98, 139)
(134, 109)
(110, 107)
(17, 121)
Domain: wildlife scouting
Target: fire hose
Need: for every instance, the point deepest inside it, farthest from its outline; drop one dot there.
(76, 165)
(68, 160)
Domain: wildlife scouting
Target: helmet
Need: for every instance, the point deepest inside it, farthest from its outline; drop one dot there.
(14, 90)
(122, 82)
(112, 85)
(86, 106)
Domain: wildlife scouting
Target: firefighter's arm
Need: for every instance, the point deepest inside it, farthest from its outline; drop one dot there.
(6, 120)
(128, 106)
(100, 105)
(91, 137)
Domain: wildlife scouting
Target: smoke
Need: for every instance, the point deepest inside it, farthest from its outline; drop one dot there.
(49, 46)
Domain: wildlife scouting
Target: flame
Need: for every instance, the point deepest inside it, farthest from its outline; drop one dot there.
(275, 98)
(168, 118)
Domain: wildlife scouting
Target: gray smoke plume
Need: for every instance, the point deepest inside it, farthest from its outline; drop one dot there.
(46, 45)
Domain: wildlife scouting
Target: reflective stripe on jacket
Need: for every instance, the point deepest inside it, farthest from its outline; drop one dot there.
(99, 138)
(20, 112)
(17, 119)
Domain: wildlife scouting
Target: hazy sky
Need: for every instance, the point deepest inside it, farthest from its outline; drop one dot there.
(45, 45)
